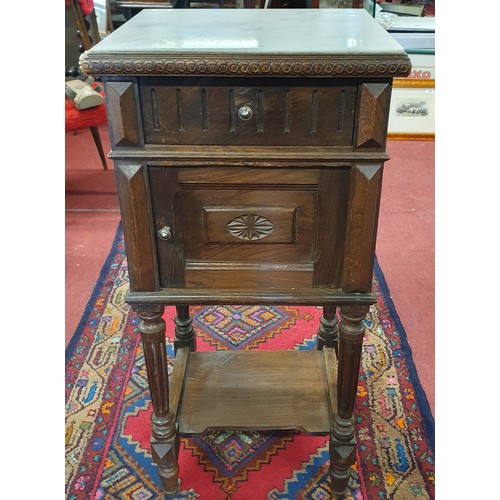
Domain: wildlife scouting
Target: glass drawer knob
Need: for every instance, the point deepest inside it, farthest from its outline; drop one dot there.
(164, 233)
(245, 112)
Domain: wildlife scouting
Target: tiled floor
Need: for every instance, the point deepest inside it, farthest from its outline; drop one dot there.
(405, 246)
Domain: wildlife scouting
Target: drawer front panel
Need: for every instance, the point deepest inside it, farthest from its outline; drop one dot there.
(225, 112)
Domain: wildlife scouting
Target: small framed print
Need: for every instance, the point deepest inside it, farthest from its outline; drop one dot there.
(412, 112)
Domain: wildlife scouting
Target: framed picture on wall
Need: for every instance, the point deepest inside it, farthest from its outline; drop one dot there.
(412, 112)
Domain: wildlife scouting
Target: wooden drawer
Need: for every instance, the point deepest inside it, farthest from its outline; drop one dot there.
(272, 112)
(344, 113)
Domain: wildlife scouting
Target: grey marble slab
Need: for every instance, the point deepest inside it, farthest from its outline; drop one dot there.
(251, 31)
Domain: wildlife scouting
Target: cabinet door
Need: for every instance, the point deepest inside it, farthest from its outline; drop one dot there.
(250, 228)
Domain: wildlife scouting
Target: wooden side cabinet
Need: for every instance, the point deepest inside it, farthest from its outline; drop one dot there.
(248, 148)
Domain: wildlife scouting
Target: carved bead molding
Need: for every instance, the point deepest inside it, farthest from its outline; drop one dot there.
(250, 227)
(246, 65)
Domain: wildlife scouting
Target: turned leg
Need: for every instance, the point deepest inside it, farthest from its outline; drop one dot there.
(184, 331)
(343, 437)
(328, 331)
(164, 438)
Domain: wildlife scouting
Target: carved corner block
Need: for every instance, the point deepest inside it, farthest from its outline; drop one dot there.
(121, 101)
(373, 115)
(342, 457)
(166, 455)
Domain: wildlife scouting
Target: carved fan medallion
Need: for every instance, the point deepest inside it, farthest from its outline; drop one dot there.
(250, 227)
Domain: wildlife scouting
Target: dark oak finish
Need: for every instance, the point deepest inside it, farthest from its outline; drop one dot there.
(184, 330)
(133, 195)
(164, 439)
(313, 296)
(249, 65)
(205, 111)
(373, 107)
(124, 120)
(361, 227)
(252, 384)
(328, 332)
(249, 156)
(343, 437)
(250, 178)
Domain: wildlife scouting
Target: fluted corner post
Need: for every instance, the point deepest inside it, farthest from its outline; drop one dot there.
(343, 436)
(184, 331)
(164, 438)
(328, 331)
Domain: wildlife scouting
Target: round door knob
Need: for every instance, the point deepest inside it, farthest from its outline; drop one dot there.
(165, 233)
(245, 112)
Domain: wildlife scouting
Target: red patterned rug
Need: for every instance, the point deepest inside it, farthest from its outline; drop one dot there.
(108, 408)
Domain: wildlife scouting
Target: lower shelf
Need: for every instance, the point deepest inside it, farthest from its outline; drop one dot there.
(254, 390)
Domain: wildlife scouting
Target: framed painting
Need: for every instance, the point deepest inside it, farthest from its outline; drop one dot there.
(412, 112)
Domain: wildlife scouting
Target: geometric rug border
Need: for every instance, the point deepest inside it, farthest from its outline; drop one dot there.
(97, 288)
(420, 395)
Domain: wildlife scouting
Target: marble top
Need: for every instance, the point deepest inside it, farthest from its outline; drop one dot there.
(249, 42)
(254, 31)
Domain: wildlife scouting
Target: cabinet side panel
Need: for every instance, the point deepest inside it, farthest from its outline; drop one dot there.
(137, 222)
(361, 227)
